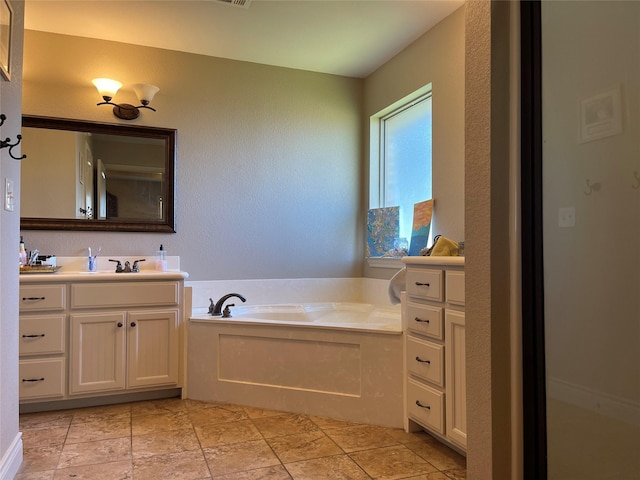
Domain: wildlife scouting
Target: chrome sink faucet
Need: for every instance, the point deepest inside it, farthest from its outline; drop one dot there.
(216, 310)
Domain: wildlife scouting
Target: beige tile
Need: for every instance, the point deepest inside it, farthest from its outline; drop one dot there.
(104, 471)
(212, 435)
(238, 457)
(46, 475)
(254, 412)
(105, 412)
(161, 422)
(430, 476)
(324, 422)
(172, 441)
(277, 472)
(45, 419)
(462, 474)
(439, 455)
(390, 463)
(189, 465)
(361, 437)
(303, 446)
(101, 451)
(99, 430)
(203, 415)
(37, 437)
(154, 407)
(288, 424)
(39, 459)
(404, 437)
(325, 468)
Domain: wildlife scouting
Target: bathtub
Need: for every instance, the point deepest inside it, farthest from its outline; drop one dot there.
(340, 316)
(333, 359)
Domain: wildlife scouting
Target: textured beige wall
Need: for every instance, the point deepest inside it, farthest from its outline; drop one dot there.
(436, 57)
(10, 105)
(487, 248)
(269, 158)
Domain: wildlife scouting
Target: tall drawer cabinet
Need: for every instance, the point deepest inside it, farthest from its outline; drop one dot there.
(89, 335)
(434, 324)
(42, 342)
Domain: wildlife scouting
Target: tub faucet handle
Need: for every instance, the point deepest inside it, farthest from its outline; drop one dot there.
(226, 312)
(217, 309)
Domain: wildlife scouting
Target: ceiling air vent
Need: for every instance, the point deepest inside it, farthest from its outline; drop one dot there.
(236, 3)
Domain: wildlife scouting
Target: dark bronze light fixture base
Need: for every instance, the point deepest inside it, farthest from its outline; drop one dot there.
(126, 111)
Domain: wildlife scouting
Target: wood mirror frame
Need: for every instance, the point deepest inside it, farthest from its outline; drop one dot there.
(165, 225)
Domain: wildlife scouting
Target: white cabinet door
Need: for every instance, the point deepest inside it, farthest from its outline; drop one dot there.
(456, 411)
(97, 352)
(153, 346)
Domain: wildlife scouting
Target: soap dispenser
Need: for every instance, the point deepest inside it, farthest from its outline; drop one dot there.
(23, 252)
(161, 259)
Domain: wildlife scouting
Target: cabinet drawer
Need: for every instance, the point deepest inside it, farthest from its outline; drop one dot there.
(41, 378)
(455, 287)
(425, 319)
(133, 294)
(425, 406)
(42, 335)
(42, 297)
(426, 360)
(425, 283)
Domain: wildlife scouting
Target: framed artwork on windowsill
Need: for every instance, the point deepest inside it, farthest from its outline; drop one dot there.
(6, 23)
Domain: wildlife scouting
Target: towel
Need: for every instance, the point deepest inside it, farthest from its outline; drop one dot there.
(397, 284)
(444, 248)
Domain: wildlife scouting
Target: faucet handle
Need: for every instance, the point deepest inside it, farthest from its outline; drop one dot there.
(227, 313)
(136, 267)
(119, 268)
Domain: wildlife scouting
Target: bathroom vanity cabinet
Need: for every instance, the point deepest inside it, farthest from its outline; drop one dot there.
(88, 335)
(434, 324)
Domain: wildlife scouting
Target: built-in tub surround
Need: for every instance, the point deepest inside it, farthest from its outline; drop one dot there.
(335, 357)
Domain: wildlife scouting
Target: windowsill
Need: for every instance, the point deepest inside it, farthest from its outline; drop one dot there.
(385, 262)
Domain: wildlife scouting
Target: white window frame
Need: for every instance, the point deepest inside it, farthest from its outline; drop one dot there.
(376, 154)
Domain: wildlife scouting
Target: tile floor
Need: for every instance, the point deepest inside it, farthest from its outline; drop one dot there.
(189, 440)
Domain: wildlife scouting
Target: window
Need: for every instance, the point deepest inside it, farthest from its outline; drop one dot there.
(401, 156)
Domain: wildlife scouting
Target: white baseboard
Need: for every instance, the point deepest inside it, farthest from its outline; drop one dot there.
(603, 403)
(11, 460)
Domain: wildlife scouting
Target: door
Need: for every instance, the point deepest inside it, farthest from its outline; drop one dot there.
(97, 352)
(153, 346)
(581, 285)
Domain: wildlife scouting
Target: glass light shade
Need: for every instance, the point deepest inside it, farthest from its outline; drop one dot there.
(106, 86)
(145, 92)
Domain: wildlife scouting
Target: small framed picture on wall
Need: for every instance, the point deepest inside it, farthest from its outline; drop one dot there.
(6, 18)
(600, 115)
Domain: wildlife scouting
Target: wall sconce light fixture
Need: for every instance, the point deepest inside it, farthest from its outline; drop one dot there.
(108, 88)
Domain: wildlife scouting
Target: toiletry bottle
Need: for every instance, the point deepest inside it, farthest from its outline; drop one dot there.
(23, 252)
(161, 259)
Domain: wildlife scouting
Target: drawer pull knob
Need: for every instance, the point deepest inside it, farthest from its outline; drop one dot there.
(24, 299)
(420, 284)
(119, 324)
(133, 324)
(35, 335)
(418, 359)
(33, 379)
(418, 319)
(422, 406)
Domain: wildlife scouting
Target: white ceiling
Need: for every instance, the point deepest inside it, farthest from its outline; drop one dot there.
(342, 37)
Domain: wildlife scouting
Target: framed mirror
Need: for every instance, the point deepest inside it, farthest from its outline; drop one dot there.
(81, 175)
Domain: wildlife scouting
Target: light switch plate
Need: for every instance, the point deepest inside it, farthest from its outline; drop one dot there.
(9, 197)
(567, 217)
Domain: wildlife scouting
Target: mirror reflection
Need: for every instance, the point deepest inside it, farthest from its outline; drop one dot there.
(83, 175)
